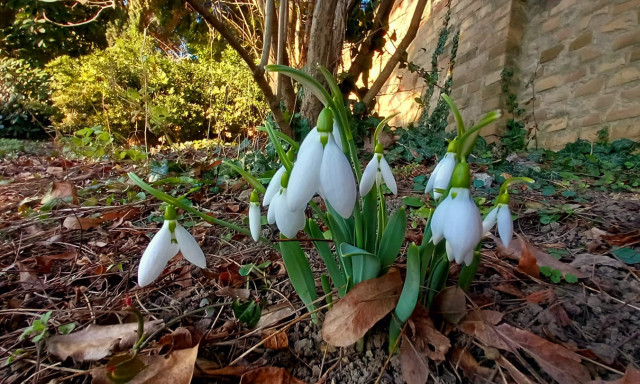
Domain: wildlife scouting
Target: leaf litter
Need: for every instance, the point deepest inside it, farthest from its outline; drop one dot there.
(84, 276)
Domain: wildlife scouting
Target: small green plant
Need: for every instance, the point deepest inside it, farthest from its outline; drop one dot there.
(556, 276)
(37, 331)
(247, 312)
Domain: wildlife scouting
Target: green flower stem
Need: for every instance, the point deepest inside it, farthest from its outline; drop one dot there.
(456, 113)
(247, 176)
(177, 203)
(514, 180)
(284, 159)
(380, 126)
(282, 136)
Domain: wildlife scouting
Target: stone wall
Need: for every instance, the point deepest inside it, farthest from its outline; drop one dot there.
(577, 63)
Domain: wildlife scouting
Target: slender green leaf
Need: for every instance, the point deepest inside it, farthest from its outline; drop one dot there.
(284, 159)
(283, 136)
(469, 271)
(326, 288)
(335, 90)
(365, 265)
(369, 210)
(299, 271)
(337, 275)
(307, 81)
(409, 296)
(456, 113)
(392, 238)
(336, 224)
(438, 278)
(257, 185)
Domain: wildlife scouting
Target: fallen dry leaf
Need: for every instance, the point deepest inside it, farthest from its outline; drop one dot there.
(420, 342)
(451, 304)
(250, 375)
(509, 289)
(472, 370)
(28, 278)
(540, 296)
(528, 263)
(275, 339)
(234, 293)
(361, 308)
(97, 341)
(518, 376)
(622, 239)
(631, 376)
(62, 190)
(274, 314)
(46, 262)
(174, 368)
(82, 223)
(55, 171)
(514, 251)
(557, 361)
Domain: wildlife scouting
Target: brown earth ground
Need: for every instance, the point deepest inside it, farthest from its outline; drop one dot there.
(85, 276)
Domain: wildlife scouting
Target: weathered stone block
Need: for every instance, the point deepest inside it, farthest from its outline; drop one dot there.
(635, 55)
(556, 124)
(623, 22)
(631, 93)
(611, 64)
(576, 75)
(589, 53)
(563, 34)
(603, 102)
(626, 6)
(491, 103)
(589, 120)
(492, 77)
(626, 40)
(551, 53)
(547, 83)
(624, 76)
(551, 24)
(562, 5)
(624, 113)
(624, 129)
(581, 41)
(590, 87)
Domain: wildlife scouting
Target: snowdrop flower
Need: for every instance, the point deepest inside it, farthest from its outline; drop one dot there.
(377, 170)
(273, 187)
(171, 238)
(441, 175)
(501, 215)
(289, 222)
(457, 219)
(254, 215)
(322, 167)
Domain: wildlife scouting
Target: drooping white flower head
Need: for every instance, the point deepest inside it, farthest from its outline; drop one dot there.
(170, 239)
(322, 167)
(457, 219)
(441, 175)
(376, 171)
(254, 215)
(501, 215)
(289, 222)
(273, 187)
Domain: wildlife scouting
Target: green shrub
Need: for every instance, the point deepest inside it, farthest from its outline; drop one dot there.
(133, 81)
(24, 106)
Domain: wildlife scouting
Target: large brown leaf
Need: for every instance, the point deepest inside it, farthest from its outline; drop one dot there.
(515, 251)
(361, 308)
(97, 341)
(249, 374)
(631, 376)
(557, 361)
(420, 343)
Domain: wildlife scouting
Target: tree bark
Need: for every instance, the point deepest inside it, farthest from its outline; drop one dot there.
(369, 97)
(325, 47)
(256, 70)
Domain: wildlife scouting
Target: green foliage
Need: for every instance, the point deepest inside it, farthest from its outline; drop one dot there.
(515, 140)
(95, 143)
(133, 83)
(248, 312)
(38, 329)
(556, 276)
(24, 105)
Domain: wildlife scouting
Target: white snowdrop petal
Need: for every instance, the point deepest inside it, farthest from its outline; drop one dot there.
(369, 176)
(468, 258)
(303, 181)
(432, 178)
(337, 180)
(505, 224)
(273, 187)
(444, 173)
(387, 175)
(439, 219)
(336, 135)
(464, 228)
(450, 255)
(189, 247)
(489, 220)
(271, 213)
(288, 221)
(158, 253)
(254, 220)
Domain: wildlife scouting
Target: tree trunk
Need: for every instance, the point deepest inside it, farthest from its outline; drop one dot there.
(325, 47)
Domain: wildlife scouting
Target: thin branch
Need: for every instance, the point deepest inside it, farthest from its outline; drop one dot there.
(268, 30)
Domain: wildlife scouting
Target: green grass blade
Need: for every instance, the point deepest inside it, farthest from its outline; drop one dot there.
(365, 265)
(369, 210)
(299, 271)
(392, 238)
(337, 275)
(409, 296)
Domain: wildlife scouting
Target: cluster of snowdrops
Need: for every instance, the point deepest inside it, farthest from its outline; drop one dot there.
(366, 239)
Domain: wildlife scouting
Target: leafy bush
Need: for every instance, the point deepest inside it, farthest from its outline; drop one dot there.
(24, 106)
(133, 82)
